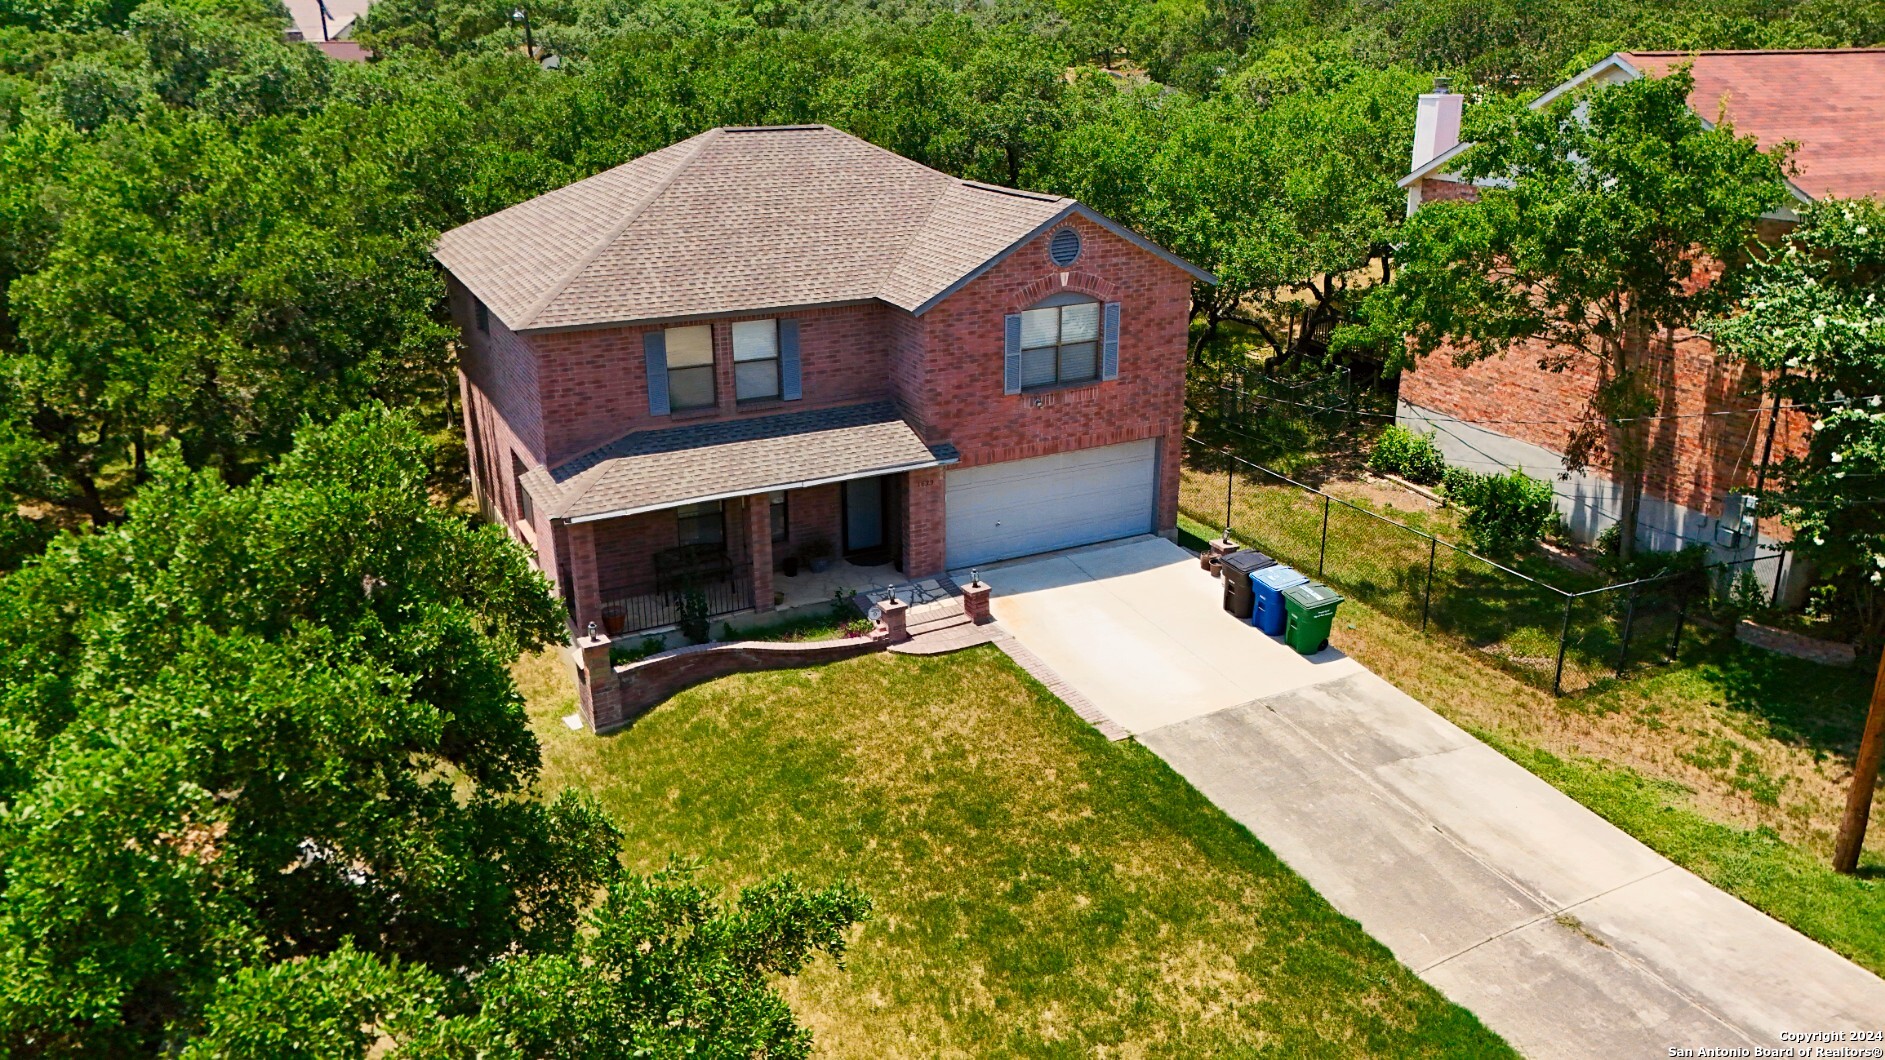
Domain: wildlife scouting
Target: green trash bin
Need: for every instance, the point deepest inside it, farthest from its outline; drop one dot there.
(1311, 611)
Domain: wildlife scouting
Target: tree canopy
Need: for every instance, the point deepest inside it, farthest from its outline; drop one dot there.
(275, 723)
(1603, 222)
(1813, 321)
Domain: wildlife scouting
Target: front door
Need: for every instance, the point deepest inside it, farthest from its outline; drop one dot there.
(863, 515)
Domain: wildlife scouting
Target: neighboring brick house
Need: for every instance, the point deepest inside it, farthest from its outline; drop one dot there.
(1706, 452)
(774, 342)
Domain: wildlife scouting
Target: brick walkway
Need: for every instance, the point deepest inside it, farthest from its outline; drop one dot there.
(1040, 671)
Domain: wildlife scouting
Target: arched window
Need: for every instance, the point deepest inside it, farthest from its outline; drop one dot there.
(1060, 342)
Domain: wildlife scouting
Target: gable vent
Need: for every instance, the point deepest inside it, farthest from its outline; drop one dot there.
(1064, 247)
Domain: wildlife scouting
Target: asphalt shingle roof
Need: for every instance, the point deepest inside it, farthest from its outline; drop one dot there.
(1830, 102)
(650, 470)
(736, 220)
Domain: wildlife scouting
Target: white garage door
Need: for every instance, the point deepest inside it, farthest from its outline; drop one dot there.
(1021, 507)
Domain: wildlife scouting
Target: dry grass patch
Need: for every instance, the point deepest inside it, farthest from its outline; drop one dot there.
(1038, 890)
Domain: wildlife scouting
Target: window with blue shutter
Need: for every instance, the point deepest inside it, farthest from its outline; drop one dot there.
(1011, 355)
(789, 388)
(1060, 342)
(654, 350)
(1109, 343)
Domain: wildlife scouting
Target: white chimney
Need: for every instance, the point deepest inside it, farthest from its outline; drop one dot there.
(1437, 123)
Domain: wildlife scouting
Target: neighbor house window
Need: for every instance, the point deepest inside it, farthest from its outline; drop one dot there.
(781, 528)
(690, 368)
(756, 360)
(1060, 343)
(524, 511)
(481, 314)
(700, 524)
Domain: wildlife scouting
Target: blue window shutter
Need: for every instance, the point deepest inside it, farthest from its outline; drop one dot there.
(1011, 356)
(654, 349)
(789, 360)
(1109, 343)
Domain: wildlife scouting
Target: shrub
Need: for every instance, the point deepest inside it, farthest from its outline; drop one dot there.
(1506, 513)
(1407, 454)
(694, 613)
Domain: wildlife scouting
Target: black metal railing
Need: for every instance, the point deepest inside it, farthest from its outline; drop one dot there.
(722, 594)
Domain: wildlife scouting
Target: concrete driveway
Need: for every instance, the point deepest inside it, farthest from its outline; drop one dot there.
(1142, 632)
(1559, 931)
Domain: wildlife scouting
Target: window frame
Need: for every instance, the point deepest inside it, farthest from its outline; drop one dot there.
(526, 509)
(702, 513)
(707, 369)
(779, 515)
(1060, 303)
(777, 362)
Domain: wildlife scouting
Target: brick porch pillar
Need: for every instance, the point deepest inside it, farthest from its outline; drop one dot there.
(596, 684)
(759, 548)
(585, 590)
(923, 544)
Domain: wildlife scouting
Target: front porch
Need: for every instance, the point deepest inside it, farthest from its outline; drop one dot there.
(668, 528)
(781, 550)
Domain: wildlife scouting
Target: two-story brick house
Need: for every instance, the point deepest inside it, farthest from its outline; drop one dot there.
(763, 344)
(1714, 429)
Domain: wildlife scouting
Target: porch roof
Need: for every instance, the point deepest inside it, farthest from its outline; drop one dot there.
(651, 470)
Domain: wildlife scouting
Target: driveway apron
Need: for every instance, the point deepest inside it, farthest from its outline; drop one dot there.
(1559, 931)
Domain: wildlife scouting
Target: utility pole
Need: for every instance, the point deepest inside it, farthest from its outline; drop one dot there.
(1864, 781)
(322, 4)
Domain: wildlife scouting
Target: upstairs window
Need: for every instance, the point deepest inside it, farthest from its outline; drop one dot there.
(1060, 342)
(481, 314)
(700, 525)
(756, 360)
(525, 513)
(690, 368)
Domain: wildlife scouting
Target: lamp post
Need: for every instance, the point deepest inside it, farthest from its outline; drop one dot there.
(522, 15)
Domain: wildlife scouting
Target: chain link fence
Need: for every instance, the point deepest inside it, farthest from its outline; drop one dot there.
(1559, 639)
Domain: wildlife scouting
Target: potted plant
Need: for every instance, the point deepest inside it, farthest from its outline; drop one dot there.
(817, 555)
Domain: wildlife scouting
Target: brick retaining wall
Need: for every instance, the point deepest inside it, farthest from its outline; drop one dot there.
(612, 696)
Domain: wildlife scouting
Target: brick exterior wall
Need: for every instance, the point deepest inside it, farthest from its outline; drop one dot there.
(595, 382)
(1694, 461)
(961, 390)
(553, 395)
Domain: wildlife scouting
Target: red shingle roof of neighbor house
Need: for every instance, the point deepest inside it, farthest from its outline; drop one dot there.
(742, 220)
(1831, 103)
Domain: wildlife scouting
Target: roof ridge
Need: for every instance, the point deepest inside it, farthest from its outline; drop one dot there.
(916, 232)
(1019, 193)
(608, 239)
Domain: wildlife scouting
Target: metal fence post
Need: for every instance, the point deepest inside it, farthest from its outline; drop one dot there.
(1230, 476)
(1322, 554)
(1629, 619)
(1564, 639)
(1682, 615)
(1780, 572)
(1426, 602)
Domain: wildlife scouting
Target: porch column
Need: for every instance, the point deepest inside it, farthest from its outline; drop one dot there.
(585, 590)
(923, 544)
(759, 547)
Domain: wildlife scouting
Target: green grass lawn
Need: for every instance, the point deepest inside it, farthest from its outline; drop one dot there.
(1038, 891)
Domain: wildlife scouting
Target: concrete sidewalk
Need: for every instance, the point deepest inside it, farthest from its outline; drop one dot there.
(1562, 933)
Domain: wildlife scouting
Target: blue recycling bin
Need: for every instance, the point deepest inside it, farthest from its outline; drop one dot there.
(1267, 585)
